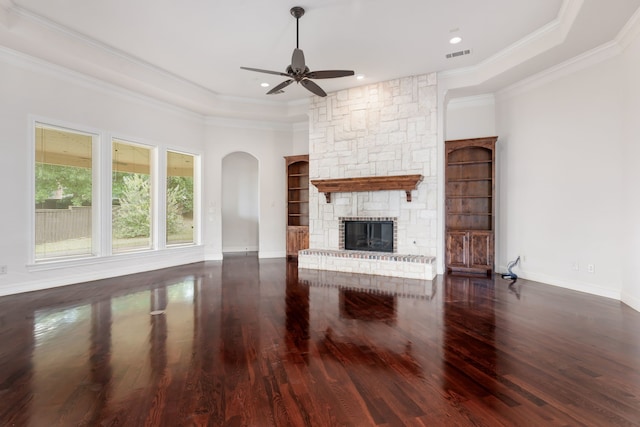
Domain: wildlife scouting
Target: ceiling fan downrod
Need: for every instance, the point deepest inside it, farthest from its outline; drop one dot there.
(297, 13)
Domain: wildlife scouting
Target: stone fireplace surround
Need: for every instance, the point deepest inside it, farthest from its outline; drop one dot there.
(380, 131)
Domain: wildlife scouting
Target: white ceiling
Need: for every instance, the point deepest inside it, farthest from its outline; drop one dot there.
(189, 52)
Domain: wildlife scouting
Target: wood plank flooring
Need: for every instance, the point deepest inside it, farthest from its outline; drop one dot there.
(247, 343)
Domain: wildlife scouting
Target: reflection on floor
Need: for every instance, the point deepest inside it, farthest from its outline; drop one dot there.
(397, 286)
(258, 343)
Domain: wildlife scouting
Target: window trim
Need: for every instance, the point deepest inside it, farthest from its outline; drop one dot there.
(153, 179)
(97, 137)
(101, 197)
(197, 196)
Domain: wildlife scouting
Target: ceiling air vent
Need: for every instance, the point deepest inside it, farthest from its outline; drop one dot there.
(458, 53)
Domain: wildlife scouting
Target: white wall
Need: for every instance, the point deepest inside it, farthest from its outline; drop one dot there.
(269, 145)
(29, 87)
(561, 192)
(300, 144)
(240, 203)
(630, 64)
(470, 117)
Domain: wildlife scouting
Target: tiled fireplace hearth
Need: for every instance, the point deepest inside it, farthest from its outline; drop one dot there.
(364, 262)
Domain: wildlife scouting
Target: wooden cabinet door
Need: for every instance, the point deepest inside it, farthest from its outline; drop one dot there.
(292, 241)
(297, 239)
(303, 239)
(457, 249)
(481, 250)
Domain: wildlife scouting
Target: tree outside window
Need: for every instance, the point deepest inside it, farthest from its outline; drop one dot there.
(63, 192)
(131, 197)
(180, 195)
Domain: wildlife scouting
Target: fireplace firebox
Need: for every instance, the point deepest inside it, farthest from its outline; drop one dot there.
(375, 236)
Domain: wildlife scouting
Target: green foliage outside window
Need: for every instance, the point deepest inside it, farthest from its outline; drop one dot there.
(133, 217)
(72, 183)
(183, 188)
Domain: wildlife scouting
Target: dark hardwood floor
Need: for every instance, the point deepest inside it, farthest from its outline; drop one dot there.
(248, 342)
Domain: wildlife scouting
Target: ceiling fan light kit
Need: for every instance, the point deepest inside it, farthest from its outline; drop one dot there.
(298, 71)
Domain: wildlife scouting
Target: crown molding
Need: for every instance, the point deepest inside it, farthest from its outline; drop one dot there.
(291, 114)
(629, 33)
(235, 109)
(548, 36)
(67, 32)
(38, 65)
(233, 123)
(573, 65)
(133, 74)
(485, 100)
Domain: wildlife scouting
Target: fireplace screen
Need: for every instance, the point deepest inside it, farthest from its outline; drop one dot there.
(374, 236)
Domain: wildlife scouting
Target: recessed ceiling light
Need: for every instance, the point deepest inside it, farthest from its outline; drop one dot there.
(360, 76)
(265, 84)
(455, 40)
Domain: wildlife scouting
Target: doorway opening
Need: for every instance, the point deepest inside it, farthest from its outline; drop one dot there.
(240, 203)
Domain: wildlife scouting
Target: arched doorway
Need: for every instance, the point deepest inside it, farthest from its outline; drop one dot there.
(240, 203)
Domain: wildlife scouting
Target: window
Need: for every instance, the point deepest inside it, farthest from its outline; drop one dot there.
(131, 200)
(64, 191)
(180, 197)
(76, 215)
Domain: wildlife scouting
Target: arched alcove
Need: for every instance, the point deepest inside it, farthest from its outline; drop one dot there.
(240, 203)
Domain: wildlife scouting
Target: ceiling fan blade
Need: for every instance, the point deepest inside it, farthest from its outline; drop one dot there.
(277, 73)
(312, 87)
(281, 86)
(329, 74)
(297, 61)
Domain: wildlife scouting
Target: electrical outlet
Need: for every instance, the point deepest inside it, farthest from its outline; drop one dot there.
(3, 269)
(591, 268)
(575, 266)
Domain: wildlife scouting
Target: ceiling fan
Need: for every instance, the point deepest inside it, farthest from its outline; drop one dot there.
(298, 71)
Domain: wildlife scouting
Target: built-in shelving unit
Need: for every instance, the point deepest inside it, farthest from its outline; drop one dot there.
(297, 173)
(469, 201)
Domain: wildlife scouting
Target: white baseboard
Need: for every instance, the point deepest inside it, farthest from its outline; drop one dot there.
(631, 300)
(97, 269)
(213, 256)
(272, 254)
(574, 285)
(233, 249)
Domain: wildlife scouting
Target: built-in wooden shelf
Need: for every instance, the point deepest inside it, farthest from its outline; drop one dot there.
(469, 200)
(297, 175)
(405, 183)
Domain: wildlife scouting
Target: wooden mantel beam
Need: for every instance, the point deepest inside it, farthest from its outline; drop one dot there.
(405, 183)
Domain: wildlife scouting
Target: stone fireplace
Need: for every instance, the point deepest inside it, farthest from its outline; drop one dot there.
(377, 132)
